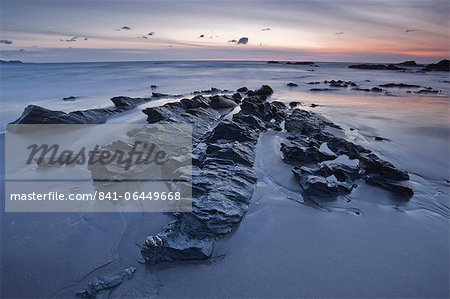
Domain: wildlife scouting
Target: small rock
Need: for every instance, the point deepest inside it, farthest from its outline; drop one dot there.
(376, 89)
(71, 98)
(242, 89)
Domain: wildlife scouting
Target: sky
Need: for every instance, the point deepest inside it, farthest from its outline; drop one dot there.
(320, 30)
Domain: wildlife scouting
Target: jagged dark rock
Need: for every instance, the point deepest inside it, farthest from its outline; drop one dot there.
(242, 89)
(409, 63)
(127, 102)
(399, 85)
(172, 245)
(304, 153)
(71, 98)
(196, 102)
(315, 153)
(372, 164)
(33, 114)
(220, 102)
(340, 83)
(441, 66)
(390, 67)
(265, 90)
(237, 97)
(427, 91)
(390, 185)
(101, 286)
(223, 181)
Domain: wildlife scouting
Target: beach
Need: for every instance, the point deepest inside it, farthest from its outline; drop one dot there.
(367, 242)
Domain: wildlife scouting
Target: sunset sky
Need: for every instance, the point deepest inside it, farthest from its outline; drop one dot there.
(372, 31)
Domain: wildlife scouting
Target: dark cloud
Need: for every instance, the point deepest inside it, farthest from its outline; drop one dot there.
(265, 29)
(242, 41)
(125, 28)
(339, 33)
(6, 41)
(145, 36)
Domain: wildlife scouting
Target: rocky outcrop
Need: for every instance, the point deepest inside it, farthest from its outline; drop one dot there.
(327, 166)
(127, 102)
(409, 63)
(33, 114)
(339, 83)
(223, 178)
(441, 66)
(428, 91)
(376, 89)
(71, 98)
(399, 85)
(389, 67)
(265, 90)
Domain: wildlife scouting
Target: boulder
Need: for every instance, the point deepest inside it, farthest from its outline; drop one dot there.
(242, 89)
(221, 102)
(265, 90)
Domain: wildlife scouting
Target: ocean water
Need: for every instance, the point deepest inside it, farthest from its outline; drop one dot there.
(95, 83)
